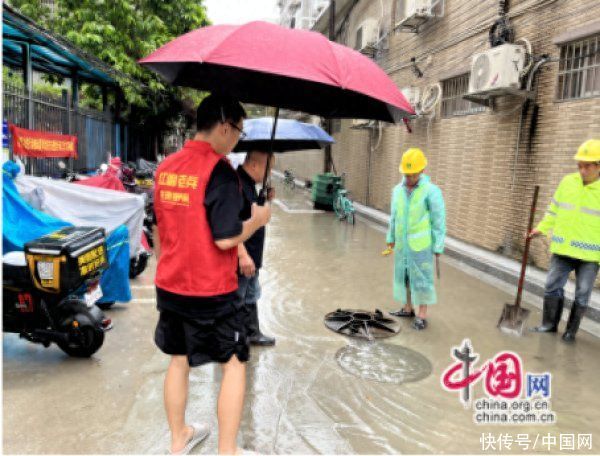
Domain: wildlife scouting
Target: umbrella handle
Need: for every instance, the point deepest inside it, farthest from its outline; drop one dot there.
(262, 196)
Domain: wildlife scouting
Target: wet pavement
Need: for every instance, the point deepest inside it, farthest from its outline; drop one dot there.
(315, 391)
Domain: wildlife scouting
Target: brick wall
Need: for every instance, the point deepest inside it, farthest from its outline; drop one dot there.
(472, 157)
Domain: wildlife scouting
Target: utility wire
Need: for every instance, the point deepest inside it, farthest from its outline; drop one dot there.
(474, 30)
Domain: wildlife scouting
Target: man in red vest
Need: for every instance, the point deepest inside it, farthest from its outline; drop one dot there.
(197, 202)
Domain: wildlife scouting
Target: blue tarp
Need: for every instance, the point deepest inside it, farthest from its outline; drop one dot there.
(23, 223)
(20, 222)
(115, 280)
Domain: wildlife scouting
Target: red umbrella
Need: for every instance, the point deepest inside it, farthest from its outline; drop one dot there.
(267, 64)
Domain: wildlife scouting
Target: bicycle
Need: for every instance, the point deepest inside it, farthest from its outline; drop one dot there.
(342, 204)
(289, 180)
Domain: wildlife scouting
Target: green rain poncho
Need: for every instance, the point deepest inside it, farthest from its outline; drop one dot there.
(418, 229)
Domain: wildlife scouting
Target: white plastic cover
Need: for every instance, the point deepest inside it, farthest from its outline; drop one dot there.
(86, 206)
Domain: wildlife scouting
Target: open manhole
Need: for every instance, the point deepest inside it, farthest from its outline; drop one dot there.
(362, 323)
(385, 363)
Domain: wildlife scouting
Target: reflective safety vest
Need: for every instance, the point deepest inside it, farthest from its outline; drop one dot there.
(573, 219)
(418, 221)
(190, 263)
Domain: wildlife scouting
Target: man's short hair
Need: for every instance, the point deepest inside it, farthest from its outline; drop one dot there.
(218, 108)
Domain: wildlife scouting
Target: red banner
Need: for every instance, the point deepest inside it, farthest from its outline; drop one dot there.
(38, 144)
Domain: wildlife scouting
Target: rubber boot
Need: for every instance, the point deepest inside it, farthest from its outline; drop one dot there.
(577, 313)
(254, 335)
(553, 308)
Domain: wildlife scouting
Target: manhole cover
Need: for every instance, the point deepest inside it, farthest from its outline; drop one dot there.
(361, 323)
(384, 363)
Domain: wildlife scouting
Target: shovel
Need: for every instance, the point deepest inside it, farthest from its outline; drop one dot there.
(512, 320)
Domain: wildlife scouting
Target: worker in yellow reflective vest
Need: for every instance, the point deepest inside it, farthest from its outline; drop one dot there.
(573, 220)
(416, 233)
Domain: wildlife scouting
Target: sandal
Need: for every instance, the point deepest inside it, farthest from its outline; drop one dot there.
(403, 313)
(201, 431)
(419, 324)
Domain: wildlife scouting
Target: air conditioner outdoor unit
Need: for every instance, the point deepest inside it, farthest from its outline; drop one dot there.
(497, 69)
(360, 123)
(412, 95)
(367, 34)
(416, 12)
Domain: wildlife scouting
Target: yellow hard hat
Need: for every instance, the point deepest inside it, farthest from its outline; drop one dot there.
(413, 161)
(589, 151)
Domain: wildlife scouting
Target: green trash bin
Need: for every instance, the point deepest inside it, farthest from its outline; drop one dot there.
(324, 187)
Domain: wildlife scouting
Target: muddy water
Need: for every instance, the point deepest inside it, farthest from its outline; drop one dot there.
(315, 391)
(382, 362)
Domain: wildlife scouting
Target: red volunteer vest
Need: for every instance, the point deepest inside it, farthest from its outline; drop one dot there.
(190, 263)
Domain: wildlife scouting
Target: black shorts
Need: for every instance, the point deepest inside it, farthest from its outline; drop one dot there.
(203, 340)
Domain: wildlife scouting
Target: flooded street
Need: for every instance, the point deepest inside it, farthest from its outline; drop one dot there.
(315, 391)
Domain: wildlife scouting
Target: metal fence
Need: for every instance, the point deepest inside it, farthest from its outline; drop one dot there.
(94, 129)
(95, 135)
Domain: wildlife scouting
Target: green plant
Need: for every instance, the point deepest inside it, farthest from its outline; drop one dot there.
(120, 32)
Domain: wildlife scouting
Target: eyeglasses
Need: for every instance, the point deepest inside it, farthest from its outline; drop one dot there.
(242, 132)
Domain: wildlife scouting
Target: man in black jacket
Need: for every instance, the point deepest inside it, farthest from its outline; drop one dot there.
(250, 253)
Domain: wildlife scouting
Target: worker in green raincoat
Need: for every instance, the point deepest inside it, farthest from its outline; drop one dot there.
(416, 233)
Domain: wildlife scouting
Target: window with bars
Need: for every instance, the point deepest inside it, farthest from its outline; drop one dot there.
(579, 69)
(453, 104)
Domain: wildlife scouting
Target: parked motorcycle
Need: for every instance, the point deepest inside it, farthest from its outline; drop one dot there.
(69, 175)
(50, 290)
(149, 219)
(141, 182)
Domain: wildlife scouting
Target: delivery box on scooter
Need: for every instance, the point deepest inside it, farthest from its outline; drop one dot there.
(63, 260)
